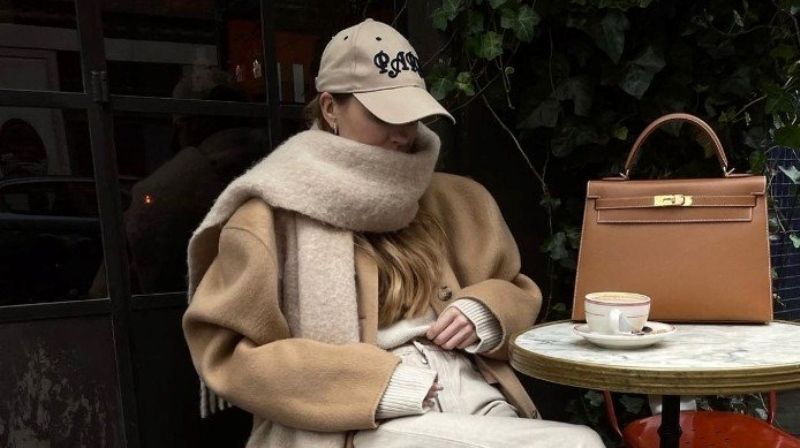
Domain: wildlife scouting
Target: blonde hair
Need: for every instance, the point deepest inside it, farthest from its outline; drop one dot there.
(409, 266)
(409, 260)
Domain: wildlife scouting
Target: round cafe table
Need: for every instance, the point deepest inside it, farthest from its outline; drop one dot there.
(695, 360)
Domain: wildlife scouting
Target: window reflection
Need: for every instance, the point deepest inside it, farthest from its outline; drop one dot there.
(39, 47)
(182, 162)
(171, 167)
(49, 226)
(303, 28)
(151, 46)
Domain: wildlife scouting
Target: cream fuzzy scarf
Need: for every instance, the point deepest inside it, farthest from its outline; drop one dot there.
(336, 186)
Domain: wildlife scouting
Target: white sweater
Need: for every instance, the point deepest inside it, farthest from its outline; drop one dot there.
(409, 385)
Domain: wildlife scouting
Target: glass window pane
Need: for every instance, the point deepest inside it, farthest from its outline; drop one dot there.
(181, 164)
(184, 49)
(49, 225)
(39, 47)
(290, 127)
(303, 28)
(59, 384)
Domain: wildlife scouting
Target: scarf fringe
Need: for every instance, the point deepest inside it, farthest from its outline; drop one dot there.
(210, 402)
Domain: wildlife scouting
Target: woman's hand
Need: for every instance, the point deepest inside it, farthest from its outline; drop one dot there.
(433, 394)
(452, 330)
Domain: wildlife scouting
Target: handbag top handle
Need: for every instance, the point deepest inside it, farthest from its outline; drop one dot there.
(723, 160)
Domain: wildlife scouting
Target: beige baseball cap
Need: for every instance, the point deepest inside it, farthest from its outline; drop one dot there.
(380, 68)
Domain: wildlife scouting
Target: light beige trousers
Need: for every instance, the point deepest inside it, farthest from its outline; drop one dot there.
(469, 413)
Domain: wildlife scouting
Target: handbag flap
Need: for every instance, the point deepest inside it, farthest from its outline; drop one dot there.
(676, 200)
(732, 186)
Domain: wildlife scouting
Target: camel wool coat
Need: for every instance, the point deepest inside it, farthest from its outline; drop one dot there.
(240, 342)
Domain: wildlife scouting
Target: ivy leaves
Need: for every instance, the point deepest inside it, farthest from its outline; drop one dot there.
(563, 246)
(441, 85)
(446, 13)
(633, 58)
(624, 5)
(487, 45)
(574, 126)
(572, 135)
(608, 33)
(486, 28)
(640, 72)
(579, 90)
(783, 105)
(464, 83)
(444, 81)
(545, 114)
(612, 39)
(520, 19)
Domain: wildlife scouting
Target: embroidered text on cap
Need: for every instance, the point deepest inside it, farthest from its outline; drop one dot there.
(408, 60)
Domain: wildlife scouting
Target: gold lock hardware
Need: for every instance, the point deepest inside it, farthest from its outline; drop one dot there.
(672, 200)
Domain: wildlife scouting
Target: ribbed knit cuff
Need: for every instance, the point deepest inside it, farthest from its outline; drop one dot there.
(487, 327)
(406, 392)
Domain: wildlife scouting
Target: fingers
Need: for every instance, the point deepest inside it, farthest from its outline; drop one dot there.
(430, 399)
(469, 341)
(449, 332)
(457, 330)
(464, 334)
(434, 391)
(442, 322)
(451, 321)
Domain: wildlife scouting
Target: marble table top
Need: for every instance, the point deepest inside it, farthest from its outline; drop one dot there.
(696, 359)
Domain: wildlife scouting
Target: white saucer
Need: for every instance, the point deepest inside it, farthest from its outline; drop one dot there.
(626, 341)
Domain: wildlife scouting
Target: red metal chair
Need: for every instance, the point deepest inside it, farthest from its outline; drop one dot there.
(707, 429)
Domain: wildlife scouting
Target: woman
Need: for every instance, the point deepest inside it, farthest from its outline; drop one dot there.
(346, 295)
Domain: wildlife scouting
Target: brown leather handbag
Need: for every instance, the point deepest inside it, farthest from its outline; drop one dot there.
(698, 247)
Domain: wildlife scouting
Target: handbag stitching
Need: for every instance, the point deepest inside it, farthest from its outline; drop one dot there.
(580, 257)
(639, 198)
(618, 221)
(761, 192)
(677, 221)
(628, 207)
(617, 207)
(769, 262)
(688, 194)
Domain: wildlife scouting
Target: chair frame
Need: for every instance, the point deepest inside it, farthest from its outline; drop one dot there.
(772, 404)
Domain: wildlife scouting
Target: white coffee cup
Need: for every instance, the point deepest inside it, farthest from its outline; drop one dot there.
(614, 312)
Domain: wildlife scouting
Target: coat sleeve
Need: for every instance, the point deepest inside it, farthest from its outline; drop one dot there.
(241, 346)
(487, 263)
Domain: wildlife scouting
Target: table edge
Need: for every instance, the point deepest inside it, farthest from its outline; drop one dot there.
(651, 381)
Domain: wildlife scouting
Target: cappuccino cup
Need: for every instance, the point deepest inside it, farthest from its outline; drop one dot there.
(613, 312)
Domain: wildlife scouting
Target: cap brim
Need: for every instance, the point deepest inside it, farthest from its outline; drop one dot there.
(402, 104)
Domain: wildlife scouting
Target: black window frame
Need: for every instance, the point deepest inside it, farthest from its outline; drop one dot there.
(100, 107)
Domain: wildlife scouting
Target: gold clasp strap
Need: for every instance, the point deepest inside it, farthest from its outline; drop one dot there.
(672, 200)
